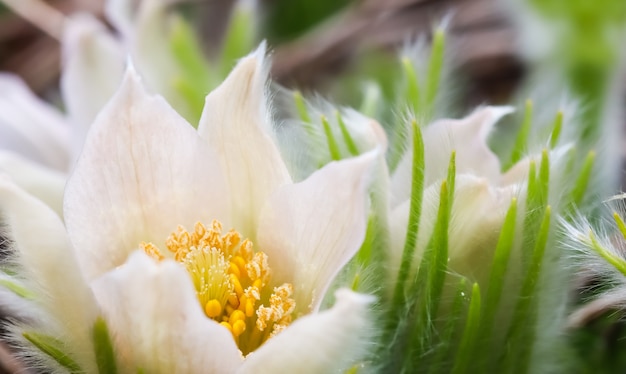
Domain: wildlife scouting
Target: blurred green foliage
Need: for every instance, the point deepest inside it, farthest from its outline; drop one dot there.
(288, 19)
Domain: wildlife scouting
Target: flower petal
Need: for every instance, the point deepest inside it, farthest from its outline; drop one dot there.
(144, 170)
(156, 323)
(327, 342)
(477, 216)
(234, 122)
(467, 136)
(44, 183)
(311, 229)
(93, 67)
(31, 127)
(44, 253)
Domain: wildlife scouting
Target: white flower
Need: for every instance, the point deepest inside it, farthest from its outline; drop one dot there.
(38, 144)
(482, 196)
(212, 295)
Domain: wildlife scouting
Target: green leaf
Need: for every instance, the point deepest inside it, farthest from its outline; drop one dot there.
(50, 346)
(395, 334)
(193, 81)
(536, 200)
(521, 332)
(412, 92)
(417, 189)
(498, 272)
(617, 262)
(439, 362)
(435, 67)
(371, 98)
(430, 279)
(556, 130)
(347, 138)
(580, 187)
(465, 353)
(303, 112)
(451, 179)
(437, 270)
(16, 288)
(522, 136)
(364, 255)
(620, 224)
(239, 38)
(105, 357)
(333, 148)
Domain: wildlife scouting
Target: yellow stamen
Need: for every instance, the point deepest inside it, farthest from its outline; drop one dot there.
(213, 308)
(230, 279)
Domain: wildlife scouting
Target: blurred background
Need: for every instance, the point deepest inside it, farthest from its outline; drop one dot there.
(314, 42)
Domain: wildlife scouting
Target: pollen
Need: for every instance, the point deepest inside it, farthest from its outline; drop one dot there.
(232, 282)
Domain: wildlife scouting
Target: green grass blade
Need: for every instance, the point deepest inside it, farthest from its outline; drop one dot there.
(50, 346)
(105, 357)
(464, 356)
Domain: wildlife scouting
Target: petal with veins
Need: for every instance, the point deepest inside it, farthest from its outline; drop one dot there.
(311, 229)
(93, 67)
(326, 342)
(30, 126)
(43, 249)
(143, 171)
(156, 323)
(234, 123)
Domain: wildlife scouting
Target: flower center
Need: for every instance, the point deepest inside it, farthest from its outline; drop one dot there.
(231, 282)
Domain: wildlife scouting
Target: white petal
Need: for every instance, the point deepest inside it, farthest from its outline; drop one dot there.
(30, 126)
(234, 122)
(477, 216)
(311, 229)
(327, 342)
(93, 67)
(44, 183)
(50, 267)
(467, 136)
(144, 170)
(156, 322)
